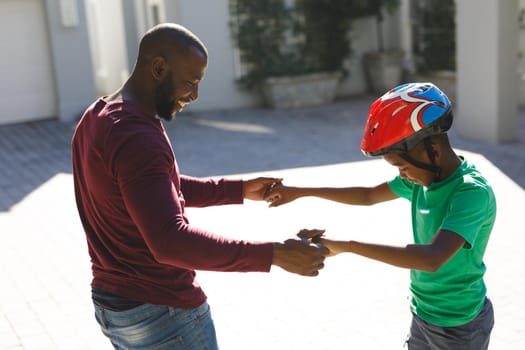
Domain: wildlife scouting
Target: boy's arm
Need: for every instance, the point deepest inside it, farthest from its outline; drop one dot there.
(281, 194)
(424, 257)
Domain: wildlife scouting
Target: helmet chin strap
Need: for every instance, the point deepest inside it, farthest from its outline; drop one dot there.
(429, 167)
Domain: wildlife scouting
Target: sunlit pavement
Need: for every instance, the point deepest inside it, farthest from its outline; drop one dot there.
(354, 303)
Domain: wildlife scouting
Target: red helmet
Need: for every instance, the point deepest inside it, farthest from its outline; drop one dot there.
(403, 117)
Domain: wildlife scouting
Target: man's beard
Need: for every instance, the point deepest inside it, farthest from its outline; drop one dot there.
(164, 102)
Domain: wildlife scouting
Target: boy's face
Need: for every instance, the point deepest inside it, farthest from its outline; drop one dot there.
(409, 171)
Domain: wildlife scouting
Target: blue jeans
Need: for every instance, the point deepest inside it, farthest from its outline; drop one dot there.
(474, 335)
(159, 327)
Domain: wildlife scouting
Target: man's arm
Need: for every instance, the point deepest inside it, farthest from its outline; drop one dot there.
(207, 192)
(157, 212)
(281, 194)
(152, 201)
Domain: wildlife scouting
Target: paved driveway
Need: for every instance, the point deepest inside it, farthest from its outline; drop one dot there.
(354, 304)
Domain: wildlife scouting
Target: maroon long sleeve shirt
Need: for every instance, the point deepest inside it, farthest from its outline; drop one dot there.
(131, 198)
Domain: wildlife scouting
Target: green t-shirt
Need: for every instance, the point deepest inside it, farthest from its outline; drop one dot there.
(463, 203)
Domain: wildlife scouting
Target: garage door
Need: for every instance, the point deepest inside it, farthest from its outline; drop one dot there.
(26, 77)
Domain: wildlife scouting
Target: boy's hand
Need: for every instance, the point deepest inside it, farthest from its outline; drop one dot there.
(279, 194)
(335, 247)
(312, 236)
(316, 236)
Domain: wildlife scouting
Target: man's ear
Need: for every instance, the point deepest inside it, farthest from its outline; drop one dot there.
(158, 68)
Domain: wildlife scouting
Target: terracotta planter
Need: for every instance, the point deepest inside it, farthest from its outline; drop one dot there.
(301, 91)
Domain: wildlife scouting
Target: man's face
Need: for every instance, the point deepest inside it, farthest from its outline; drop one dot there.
(180, 86)
(164, 103)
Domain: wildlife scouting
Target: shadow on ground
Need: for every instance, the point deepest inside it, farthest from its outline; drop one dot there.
(228, 142)
(30, 154)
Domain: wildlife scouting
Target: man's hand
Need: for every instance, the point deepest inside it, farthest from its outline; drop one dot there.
(300, 256)
(279, 194)
(256, 189)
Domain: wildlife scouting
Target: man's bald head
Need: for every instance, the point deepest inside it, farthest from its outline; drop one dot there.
(166, 40)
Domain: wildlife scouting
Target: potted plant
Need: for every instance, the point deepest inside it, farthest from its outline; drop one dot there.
(383, 68)
(293, 55)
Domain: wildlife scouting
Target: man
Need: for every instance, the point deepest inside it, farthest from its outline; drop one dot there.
(453, 212)
(131, 200)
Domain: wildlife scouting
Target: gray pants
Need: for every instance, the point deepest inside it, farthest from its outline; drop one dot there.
(474, 335)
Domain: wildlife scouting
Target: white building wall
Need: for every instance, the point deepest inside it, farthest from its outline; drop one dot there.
(27, 86)
(521, 54)
(219, 89)
(486, 69)
(71, 58)
(108, 44)
(363, 38)
(354, 83)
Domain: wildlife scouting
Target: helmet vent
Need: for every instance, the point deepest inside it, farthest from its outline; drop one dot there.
(374, 128)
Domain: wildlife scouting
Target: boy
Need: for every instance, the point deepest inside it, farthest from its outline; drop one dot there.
(453, 212)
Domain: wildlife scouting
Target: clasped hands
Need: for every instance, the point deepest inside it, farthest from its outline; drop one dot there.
(305, 255)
